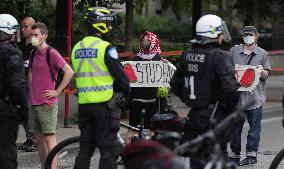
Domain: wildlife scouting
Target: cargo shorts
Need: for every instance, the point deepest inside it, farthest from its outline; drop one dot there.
(43, 118)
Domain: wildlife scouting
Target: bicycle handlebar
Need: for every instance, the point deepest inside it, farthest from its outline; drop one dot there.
(211, 134)
(129, 127)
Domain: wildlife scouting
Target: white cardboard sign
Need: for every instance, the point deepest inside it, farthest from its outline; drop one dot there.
(149, 73)
(248, 76)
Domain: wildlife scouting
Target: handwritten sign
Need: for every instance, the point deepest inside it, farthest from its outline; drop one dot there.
(149, 73)
(248, 76)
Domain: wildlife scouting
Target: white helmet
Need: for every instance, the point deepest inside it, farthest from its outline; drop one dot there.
(8, 24)
(211, 26)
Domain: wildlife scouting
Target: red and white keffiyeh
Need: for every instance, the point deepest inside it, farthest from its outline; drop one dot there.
(154, 46)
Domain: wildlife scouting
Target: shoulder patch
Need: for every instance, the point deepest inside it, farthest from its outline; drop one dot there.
(113, 53)
(15, 59)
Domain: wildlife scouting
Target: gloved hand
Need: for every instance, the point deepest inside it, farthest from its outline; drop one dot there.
(125, 102)
(114, 102)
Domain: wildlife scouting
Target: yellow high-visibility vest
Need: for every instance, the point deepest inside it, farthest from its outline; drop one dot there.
(93, 80)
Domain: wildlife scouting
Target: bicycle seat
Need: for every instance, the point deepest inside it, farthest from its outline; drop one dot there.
(164, 120)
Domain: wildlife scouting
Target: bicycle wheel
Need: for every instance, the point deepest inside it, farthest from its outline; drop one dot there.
(278, 161)
(66, 152)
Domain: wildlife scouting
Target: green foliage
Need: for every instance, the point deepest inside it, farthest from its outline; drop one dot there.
(93, 3)
(42, 11)
(17, 8)
(168, 31)
(157, 24)
(179, 7)
(141, 5)
(45, 12)
(272, 9)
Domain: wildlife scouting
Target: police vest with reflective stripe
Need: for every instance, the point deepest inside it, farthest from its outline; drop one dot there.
(93, 80)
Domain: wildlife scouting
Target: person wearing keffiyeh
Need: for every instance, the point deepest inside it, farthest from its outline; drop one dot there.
(144, 97)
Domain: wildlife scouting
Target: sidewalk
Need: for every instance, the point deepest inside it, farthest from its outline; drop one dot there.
(30, 160)
(270, 109)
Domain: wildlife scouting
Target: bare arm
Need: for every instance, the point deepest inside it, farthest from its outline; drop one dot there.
(68, 74)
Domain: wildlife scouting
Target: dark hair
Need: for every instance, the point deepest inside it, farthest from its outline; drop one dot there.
(41, 26)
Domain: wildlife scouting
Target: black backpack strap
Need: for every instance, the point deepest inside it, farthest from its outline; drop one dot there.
(48, 63)
(250, 59)
(32, 56)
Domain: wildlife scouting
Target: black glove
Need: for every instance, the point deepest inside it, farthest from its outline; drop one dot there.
(114, 102)
(125, 102)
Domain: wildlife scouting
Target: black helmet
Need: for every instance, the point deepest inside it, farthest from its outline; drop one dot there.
(99, 18)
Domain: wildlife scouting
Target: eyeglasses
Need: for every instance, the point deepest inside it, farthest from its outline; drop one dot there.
(248, 34)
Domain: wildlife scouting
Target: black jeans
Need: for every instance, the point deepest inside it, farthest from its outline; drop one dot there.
(135, 113)
(198, 123)
(8, 148)
(99, 126)
(29, 135)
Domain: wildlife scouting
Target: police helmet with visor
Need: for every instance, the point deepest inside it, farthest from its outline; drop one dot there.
(211, 26)
(8, 26)
(99, 19)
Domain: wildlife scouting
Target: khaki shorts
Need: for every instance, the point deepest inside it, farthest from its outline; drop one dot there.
(43, 118)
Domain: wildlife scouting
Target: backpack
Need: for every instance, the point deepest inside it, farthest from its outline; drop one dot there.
(60, 75)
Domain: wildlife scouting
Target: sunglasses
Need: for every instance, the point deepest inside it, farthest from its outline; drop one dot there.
(248, 34)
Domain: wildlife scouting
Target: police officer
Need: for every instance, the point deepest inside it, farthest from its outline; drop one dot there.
(13, 92)
(98, 74)
(204, 79)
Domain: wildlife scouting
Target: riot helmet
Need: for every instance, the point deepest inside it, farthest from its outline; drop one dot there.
(211, 26)
(8, 26)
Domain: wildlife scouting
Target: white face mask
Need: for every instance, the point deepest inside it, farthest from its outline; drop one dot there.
(35, 41)
(249, 40)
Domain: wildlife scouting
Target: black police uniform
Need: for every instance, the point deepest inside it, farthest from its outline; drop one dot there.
(99, 124)
(30, 144)
(26, 49)
(13, 102)
(204, 76)
(139, 97)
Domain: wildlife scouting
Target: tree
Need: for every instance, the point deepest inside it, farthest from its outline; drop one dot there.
(129, 25)
(196, 14)
(179, 8)
(253, 12)
(61, 25)
(17, 8)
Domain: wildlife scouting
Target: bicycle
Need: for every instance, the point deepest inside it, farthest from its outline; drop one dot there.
(278, 161)
(67, 150)
(216, 158)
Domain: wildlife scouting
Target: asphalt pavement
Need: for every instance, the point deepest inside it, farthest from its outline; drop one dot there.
(272, 112)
